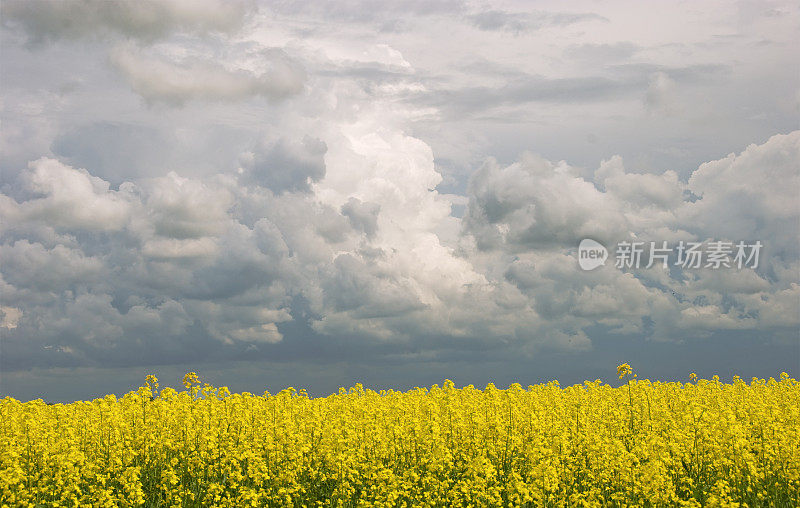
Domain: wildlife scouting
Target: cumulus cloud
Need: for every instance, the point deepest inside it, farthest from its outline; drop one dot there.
(146, 20)
(749, 195)
(534, 209)
(111, 277)
(220, 264)
(368, 291)
(285, 165)
(537, 204)
(159, 79)
(663, 191)
(33, 266)
(362, 216)
(661, 95)
(69, 198)
(184, 208)
(10, 317)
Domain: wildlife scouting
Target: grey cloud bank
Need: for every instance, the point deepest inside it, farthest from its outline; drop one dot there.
(226, 188)
(147, 20)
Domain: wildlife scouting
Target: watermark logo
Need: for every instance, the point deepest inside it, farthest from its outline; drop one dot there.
(713, 254)
(591, 254)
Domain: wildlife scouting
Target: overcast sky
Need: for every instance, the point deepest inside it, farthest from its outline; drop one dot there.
(315, 193)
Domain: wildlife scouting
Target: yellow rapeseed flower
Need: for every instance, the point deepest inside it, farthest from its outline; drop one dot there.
(709, 443)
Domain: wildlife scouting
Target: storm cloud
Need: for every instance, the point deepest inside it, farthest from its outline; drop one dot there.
(223, 183)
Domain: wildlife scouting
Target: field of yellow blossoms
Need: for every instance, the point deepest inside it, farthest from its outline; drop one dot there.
(700, 443)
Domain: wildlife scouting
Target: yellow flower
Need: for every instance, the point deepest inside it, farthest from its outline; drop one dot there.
(592, 444)
(190, 379)
(624, 370)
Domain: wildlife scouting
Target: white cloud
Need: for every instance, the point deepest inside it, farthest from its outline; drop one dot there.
(778, 309)
(751, 194)
(267, 332)
(173, 248)
(10, 317)
(664, 191)
(31, 265)
(184, 208)
(534, 209)
(537, 204)
(661, 95)
(69, 198)
(158, 79)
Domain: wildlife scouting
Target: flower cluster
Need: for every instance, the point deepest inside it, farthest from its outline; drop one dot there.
(701, 443)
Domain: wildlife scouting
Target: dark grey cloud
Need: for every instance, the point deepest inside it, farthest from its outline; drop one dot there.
(524, 21)
(286, 165)
(521, 89)
(470, 102)
(97, 275)
(363, 216)
(365, 11)
(31, 266)
(146, 20)
(352, 287)
(721, 355)
(207, 185)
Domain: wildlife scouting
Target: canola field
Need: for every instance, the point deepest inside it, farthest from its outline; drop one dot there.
(643, 443)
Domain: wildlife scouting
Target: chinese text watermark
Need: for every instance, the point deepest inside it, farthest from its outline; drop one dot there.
(688, 255)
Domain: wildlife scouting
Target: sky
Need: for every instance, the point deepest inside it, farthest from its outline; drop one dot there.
(319, 193)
